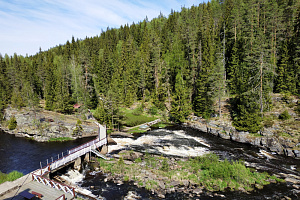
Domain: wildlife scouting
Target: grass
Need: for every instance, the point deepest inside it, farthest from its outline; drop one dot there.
(160, 125)
(60, 139)
(133, 118)
(136, 130)
(206, 171)
(10, 177)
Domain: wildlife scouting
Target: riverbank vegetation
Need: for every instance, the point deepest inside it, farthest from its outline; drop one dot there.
(10, 177)
(60, 139)
(207, 172)
(189, 61)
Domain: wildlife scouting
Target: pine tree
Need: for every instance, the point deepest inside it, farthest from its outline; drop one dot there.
(180, 107)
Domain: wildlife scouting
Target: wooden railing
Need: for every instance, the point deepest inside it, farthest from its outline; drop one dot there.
(54, 184)
(62, 197)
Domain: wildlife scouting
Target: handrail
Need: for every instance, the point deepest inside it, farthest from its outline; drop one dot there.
(72, 150)
(62, 197)
(67, 158)
(54, 184)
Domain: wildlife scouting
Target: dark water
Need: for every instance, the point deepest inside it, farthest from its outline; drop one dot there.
(25, 155)
(225, 149)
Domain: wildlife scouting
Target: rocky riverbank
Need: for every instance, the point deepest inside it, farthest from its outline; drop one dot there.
(267, 138)
(42, 125)
(167, 176)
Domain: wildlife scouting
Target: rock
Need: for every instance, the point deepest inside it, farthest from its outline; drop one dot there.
(119, 182)
(161, 196)
(161, 185)
(127, 162)
(104, 149)
(214, 132)
(175, 183)
(77, 164)
(288, 152)
(170, 190)
(180, 190)
(296, 153)
(224, 135)
(292, 180)
(110, 141)
(185, 183)
(197, 191)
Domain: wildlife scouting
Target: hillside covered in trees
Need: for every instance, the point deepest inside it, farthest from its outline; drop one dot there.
(183, 63)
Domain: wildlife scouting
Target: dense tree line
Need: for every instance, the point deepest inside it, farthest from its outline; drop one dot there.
(183, 63)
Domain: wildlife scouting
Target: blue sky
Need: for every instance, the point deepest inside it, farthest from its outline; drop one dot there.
(27, 25)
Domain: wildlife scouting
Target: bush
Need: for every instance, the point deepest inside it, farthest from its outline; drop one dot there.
(297, 109)
(268, 122)
(12, 124)
(10, 177)
(138, 111)
(153, 110)
(165, 165)
(285, 115)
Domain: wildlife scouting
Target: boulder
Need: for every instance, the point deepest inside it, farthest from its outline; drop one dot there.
(296, 153)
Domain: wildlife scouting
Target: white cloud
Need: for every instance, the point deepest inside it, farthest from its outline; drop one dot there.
(27, 25)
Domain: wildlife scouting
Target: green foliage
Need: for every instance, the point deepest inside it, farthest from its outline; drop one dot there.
(153, 110)
(165, 165)
(10, 177)
(134, 120)
(205, 171)
(268, 122)
(136, 130)
(175, 62)
(285, 115)
(297, 108)
(78, 128)
(60, 139)
(12, 123)
(138, 111)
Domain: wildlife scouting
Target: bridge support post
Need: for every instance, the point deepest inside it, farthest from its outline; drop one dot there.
(87, 157)
(77, 164)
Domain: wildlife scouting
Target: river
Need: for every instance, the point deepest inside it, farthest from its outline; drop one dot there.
(25, 155)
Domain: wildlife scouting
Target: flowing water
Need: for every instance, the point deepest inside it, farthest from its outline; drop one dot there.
(25, 155)
(177, 141)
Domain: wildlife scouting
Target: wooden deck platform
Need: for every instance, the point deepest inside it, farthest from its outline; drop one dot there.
(47, 192)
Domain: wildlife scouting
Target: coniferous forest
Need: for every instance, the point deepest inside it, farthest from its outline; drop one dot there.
(182, 63)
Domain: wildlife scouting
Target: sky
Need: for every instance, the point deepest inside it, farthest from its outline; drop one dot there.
(28, 25)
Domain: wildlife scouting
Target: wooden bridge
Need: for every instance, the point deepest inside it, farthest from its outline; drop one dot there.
(91, 146)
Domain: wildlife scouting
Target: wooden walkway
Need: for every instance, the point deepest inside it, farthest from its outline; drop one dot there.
(147, 123)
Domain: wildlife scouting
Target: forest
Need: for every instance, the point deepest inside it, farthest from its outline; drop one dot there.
(182, 63)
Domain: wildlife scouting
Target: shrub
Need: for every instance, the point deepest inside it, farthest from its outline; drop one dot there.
(165, 165)
(297, 109)
(153, 110)
(12, 124)
(285, 115)
(10, 177)
(268, 122)
(138, 111)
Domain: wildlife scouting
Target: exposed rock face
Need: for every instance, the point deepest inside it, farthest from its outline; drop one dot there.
(266, 139)
(42, 125)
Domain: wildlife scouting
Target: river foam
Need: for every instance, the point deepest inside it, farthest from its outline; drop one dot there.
(167, 142)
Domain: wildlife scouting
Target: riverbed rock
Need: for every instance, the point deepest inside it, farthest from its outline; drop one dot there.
(197, 191)
(161, 185)
(296, 153)
(288, 152)
(175, 183)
